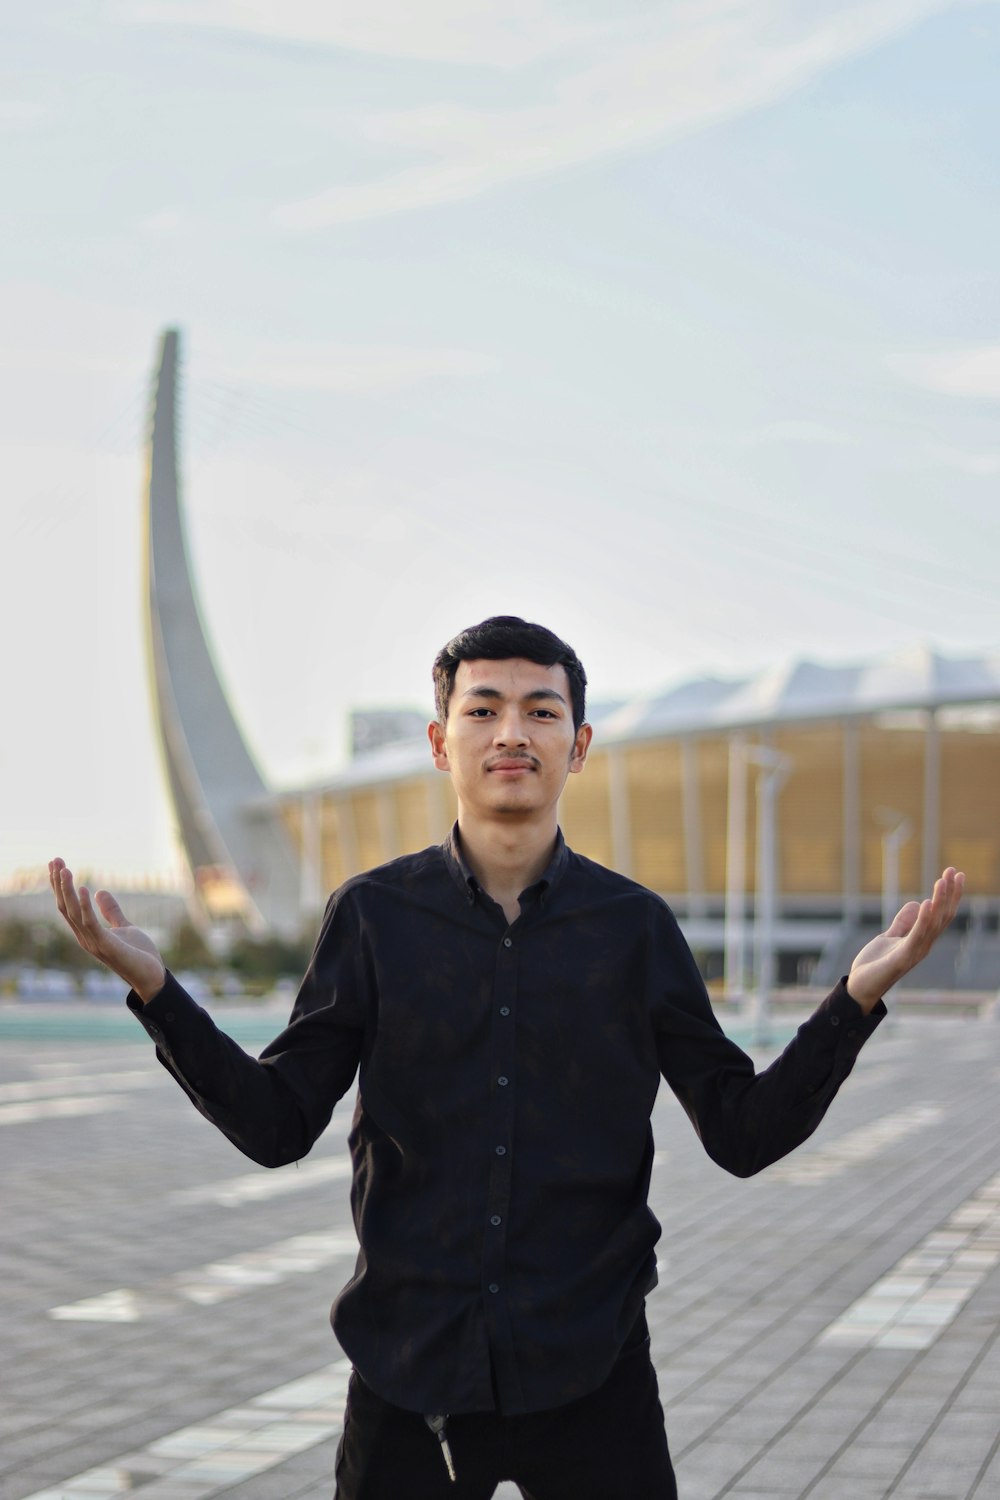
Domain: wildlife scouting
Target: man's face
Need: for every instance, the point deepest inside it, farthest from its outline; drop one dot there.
(509, 742)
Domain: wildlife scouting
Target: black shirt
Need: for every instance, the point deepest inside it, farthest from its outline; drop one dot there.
(501, 1140)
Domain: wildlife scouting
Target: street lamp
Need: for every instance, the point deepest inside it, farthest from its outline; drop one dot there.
(773, 770)
(897, 830)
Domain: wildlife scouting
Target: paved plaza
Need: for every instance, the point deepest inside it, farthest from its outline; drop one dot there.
(829, 1329)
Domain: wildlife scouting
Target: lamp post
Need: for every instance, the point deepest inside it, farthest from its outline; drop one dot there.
(773, 769)
(736, 858)
(897, 830)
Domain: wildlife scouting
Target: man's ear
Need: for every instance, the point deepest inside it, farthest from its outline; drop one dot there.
(435, 733)
(581, 745)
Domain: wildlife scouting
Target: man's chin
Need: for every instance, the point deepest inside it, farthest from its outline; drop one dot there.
(514, 807)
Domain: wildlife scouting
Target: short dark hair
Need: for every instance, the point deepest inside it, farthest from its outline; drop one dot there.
(498, 639)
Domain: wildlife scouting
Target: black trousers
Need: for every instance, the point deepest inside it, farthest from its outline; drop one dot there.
(610, 1445)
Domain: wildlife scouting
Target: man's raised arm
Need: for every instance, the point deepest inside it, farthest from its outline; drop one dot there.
(273, 1108)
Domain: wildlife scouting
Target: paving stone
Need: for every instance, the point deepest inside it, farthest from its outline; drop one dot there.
(752, 1273)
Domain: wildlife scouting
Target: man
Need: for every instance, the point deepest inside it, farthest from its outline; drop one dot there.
(511, 1007)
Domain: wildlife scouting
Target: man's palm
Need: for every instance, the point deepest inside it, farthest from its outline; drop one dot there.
(910, 936)
(127, 950)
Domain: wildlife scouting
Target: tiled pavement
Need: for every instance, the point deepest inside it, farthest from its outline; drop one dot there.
(829, 1329)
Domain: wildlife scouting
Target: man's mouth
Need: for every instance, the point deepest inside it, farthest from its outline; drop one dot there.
(511, 765)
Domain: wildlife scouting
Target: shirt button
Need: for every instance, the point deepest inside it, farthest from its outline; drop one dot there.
(505, 1010)
(493, 1287)
(502, 1081)
(508, 942)
(501, 1151)
(834, 1020)
(495, 1220)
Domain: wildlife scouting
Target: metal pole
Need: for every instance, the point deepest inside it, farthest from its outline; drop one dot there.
(773, 771)
(898, 830)
(736, 858)
(893, 839)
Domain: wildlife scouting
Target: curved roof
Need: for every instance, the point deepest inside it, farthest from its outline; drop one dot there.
(913, 678)
(916, 678)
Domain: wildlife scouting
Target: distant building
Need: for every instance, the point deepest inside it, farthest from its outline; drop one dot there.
(158, 910)
(888, 771)
(876, 776)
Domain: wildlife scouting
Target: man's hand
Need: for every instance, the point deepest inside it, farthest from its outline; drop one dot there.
(130, 953)
(915, 929)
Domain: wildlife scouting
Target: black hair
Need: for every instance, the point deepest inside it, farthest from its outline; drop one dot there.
(498, 639)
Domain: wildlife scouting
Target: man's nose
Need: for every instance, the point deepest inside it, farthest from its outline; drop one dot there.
(511, 728)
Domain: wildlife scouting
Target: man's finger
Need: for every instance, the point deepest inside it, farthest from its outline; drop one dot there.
(67, 898)
(88, 916)
(110, 910)
(904, 920)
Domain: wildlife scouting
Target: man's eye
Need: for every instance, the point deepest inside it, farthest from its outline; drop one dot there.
(544, 713)
(480, 713)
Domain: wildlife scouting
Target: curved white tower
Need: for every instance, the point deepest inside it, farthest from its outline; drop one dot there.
(239, 853)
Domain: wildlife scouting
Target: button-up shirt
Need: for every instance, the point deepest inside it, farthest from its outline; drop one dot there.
(501, 1140)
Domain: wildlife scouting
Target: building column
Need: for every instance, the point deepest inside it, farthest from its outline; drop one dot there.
(388, 823)
(311, 888)
(439, 810)
(851, 873)
(736, 865)
(930, 843)
(694, 861)
(347, 835)
(618, 809)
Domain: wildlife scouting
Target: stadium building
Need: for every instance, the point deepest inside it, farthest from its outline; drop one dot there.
(780, 815)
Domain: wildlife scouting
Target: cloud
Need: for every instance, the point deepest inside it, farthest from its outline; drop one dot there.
(55, 331)
(982, 465)
(971, 372)
(479, 32)
(15, 114)
(652, 77)
(52, 333)
(792, 430)
(347, 368)
(164, 221)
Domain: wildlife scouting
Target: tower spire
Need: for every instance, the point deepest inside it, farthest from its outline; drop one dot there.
(237, 849)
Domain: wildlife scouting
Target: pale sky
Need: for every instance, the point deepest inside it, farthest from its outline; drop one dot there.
(674, 326)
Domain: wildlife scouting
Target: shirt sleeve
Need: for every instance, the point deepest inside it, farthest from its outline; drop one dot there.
(273, 1108)
(747, 1120)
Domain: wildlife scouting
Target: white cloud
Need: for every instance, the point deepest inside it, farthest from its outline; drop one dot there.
(655, 77)
(982, 465)
(342, 368)
(481, 32)
(16, 113)
(51, 333)
(971, 372)
(52, 330)
(164, 221)
(795, 430)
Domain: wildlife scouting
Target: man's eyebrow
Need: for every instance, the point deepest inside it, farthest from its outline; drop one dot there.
(536, 694)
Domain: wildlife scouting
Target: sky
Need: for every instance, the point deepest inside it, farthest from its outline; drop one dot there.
(674, 326)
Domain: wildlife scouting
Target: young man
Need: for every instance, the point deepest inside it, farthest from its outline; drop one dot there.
(511, 1007)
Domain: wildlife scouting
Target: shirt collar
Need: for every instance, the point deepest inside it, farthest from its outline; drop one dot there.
(469, 885)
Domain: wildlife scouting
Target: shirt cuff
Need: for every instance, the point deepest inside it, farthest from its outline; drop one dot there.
(840, 1009)
(168, 1010)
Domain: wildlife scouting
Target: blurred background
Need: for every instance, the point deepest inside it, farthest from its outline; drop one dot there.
(676, 328)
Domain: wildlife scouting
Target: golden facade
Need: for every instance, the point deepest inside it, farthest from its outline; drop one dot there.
(658, 810)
